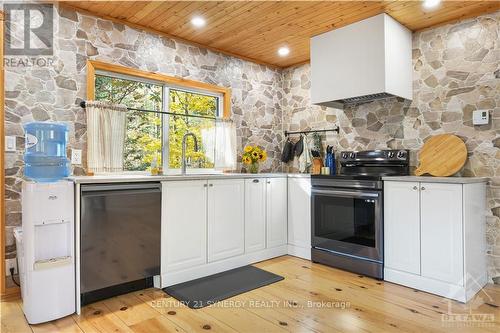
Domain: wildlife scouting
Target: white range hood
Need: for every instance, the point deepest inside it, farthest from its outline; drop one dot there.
(361, 62)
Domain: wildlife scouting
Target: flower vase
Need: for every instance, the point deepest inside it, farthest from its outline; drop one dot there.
(253, 167)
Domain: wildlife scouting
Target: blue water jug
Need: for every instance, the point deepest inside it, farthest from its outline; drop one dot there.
(45, 155)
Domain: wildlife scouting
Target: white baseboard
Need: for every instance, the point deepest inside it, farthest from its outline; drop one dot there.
(169, 279)
(301, 252)
(426, 284)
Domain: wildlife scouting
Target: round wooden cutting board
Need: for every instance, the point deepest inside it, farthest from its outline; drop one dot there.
(442, 155)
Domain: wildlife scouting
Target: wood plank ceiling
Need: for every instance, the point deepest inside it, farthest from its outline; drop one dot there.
(256, 29)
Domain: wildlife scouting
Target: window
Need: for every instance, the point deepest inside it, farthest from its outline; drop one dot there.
(143, 140)
(191, 107)
(159, 115)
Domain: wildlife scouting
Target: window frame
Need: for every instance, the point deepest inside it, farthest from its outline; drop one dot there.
(223, 95)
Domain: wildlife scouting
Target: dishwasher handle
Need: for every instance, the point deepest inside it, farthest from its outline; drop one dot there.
(121, 187)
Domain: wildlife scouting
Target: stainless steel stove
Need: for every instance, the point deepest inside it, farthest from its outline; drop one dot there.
(347, 210)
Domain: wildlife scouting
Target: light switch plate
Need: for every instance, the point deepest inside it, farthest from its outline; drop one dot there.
(10, 143)
(480, 117)
(76, 156)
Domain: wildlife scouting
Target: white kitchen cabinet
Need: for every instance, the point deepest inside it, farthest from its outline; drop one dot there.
(217, 224)
(276, 210)
(184, 226)
(441, 232)
(226, 218)
(299, 216)
(255, 214)
(434, 236)
(402, 226)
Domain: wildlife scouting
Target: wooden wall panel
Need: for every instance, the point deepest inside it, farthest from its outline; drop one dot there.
(256, 29)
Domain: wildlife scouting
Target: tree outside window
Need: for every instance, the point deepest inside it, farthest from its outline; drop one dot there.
(194, 112)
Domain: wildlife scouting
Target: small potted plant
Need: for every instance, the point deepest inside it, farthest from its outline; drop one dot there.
(252, 156)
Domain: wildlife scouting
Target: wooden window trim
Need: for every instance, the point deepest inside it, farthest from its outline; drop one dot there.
(94, 65)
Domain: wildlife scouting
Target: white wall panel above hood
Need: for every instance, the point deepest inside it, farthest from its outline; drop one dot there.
(363, 61)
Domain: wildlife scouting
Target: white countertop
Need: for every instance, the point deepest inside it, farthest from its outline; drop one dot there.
(122, 178)
(430, 179)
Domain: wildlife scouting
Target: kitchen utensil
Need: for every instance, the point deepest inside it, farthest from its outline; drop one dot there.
(287, 154)
(442, 155)
(317, 164)
(299, 146)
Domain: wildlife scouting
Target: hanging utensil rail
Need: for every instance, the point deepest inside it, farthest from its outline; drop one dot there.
(336, 129)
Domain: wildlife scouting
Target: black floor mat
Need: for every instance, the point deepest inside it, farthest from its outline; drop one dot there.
(211, 289)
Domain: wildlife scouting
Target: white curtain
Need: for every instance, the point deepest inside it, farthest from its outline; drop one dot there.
(221, 139)
(106, 124)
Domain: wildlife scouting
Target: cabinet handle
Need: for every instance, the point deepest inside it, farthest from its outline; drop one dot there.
(211, 185)
(422, 188)
(205, 185)
(255, 180)
(415, 188)
(269, 182)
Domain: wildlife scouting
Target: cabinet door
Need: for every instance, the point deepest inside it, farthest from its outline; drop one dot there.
(184, 224)
(441, 232)
(276, 210)
(255, 214)
(299, 212)
(402, 226)
(226, 218)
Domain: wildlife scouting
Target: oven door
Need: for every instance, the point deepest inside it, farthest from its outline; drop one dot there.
(348, 221)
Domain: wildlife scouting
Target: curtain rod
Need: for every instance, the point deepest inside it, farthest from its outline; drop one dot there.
(83, 104)
(336, 129)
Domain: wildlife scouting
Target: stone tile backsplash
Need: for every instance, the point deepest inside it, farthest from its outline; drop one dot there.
(456, 71)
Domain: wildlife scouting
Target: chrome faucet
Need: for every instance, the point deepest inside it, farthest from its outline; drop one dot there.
(184, 139)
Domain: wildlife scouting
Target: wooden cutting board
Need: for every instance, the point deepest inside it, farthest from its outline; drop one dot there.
(442, 155)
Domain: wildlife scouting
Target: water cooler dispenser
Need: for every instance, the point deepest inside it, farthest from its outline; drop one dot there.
(46, 253)
(45, 157)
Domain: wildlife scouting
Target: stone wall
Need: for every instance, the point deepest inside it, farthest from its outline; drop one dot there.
(53, 93)
(456, 71)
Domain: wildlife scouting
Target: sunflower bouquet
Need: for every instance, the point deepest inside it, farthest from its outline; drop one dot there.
(252, 156)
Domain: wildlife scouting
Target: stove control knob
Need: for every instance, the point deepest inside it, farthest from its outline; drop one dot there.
(344, 155)
(390, 154)
(402, 154)
(352, 155)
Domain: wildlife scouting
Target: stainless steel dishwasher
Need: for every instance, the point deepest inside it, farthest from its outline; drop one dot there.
(120, 228)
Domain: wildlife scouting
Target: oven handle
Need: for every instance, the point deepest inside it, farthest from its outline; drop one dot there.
(347, 194)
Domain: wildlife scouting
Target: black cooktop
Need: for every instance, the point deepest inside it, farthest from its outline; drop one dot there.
(371, 165)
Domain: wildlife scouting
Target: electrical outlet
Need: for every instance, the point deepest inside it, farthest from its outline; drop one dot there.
(10, 263)
(76, 156)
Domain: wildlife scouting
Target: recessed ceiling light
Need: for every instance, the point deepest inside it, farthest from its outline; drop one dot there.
(198, 21)
(429, 4)
(283, 51)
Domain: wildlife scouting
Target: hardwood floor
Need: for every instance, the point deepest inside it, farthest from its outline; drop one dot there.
(312, 298)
